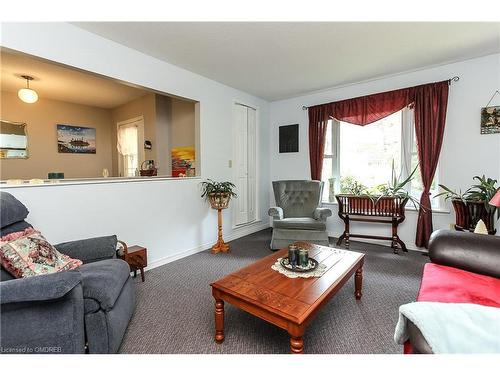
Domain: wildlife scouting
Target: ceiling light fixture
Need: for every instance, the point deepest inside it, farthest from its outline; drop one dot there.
(27, 95)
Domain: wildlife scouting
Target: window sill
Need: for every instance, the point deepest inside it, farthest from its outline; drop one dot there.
(439, 210)
(90, 181)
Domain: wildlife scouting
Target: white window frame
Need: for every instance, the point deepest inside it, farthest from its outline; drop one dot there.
(407, 141)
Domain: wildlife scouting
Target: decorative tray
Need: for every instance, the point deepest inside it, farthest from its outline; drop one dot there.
(313, 264)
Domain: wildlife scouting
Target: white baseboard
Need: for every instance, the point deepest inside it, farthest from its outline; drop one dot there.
(235, 234)
(381, 242)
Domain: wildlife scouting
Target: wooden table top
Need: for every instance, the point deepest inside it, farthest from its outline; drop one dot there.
(294, 299)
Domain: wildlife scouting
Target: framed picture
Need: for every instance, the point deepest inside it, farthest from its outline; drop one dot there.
(490, 120)
(183, 159)
(289, 138)
(75, 139)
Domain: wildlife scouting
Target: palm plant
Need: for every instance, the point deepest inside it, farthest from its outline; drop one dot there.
(451, 194)
(481, 192)
(484, 191)
(396, 188)
(211, 187)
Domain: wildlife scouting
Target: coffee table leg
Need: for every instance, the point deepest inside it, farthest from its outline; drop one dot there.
(358, 282)
(296, 345)
(219, 321)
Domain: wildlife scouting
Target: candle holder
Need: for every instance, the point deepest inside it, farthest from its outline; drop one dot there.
(303, 258)
(293, 255)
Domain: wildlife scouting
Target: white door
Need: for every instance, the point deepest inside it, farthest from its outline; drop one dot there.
(245, 164)
(251, 164)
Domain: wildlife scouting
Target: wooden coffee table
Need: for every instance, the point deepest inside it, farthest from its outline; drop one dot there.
(289, 303)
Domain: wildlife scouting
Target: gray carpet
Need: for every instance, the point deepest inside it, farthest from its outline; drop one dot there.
(175, 308)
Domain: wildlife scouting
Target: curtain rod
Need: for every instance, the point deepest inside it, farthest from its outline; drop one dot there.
(450, 81)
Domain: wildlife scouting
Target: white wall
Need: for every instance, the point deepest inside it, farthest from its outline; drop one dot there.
(465, 151)
(166, 216)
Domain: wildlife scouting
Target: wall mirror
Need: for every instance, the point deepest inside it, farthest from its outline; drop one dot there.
(83, 125)
(13, 140)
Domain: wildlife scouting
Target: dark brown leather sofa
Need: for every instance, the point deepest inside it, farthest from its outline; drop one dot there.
(477, 253)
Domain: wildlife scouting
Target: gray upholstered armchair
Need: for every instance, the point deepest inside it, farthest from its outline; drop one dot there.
(298, 215)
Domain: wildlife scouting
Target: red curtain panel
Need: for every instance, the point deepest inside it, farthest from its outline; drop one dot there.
(430, 103)
(318, 120)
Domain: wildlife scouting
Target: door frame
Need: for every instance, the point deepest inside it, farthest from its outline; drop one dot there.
(141, 155)
(257, 160)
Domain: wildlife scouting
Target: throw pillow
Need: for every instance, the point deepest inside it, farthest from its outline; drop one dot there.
(481, 228)
(31, 255)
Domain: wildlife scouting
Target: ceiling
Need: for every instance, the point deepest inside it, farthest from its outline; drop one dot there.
(54, 81)
(279, 60)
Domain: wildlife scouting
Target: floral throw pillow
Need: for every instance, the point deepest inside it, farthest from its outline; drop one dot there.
(31, 255)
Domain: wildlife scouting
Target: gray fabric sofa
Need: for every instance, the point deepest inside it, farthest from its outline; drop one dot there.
(298, 215)
(78, 311)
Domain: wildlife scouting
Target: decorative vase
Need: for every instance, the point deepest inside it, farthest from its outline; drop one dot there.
(331, 190)
(468, 213)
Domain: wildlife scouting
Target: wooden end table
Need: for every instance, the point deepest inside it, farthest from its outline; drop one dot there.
(288, 303)
(136, 257)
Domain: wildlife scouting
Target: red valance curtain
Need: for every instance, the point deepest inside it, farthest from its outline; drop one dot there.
(430, 103)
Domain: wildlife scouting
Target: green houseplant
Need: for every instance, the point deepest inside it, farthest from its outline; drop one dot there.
(218, 193)
(473, 204)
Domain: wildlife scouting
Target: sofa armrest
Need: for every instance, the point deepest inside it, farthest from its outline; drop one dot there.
(276, 213)
(39, 288)
(478, 253)
(43, 314)
(91, 249)
(321, 213)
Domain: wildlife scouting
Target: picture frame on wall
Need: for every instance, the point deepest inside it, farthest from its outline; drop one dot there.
(75, 139)
(289, 138)
(490, 120)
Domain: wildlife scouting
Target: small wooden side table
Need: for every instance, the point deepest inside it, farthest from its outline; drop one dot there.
(136, 257)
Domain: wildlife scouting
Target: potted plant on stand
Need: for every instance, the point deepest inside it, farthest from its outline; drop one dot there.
(473, 205)
(218, 194)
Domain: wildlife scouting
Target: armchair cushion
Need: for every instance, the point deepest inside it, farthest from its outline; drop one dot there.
(103, 282)
(11, 210)
(39, 288)
(300, 223)
(91, 249)
(276, 212)
(321, 213)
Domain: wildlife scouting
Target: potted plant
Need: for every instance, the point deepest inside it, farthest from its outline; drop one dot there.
(473, 205)
(218, 194)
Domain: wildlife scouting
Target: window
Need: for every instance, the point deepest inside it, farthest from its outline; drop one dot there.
(128, 149)
(363, 156)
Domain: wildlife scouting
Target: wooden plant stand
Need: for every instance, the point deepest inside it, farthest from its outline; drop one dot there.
(388, 210)
(220, 246)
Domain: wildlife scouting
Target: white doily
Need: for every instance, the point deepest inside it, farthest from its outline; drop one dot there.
(318, 272)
